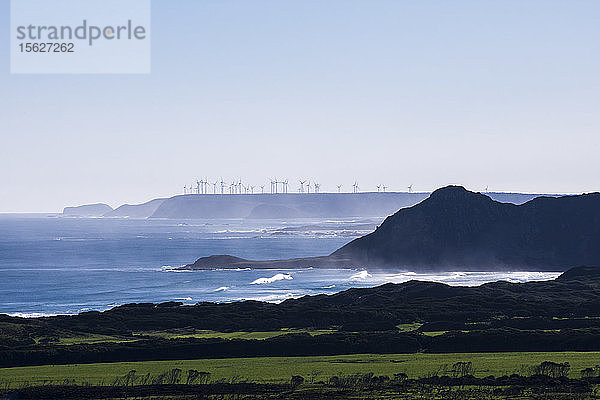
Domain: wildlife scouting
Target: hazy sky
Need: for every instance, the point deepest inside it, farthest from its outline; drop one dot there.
(504, 94)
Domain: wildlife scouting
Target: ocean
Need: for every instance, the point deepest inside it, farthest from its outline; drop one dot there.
(55, 265)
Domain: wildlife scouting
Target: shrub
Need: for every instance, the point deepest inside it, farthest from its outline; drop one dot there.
(551, 369)
(296, 381)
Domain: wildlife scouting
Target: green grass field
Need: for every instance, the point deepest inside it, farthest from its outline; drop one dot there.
(205, 334)
(280, 369)
(175, 334)
(187, 333)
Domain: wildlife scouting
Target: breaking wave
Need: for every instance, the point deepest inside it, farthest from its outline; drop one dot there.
(272, 298)
(33, 315)
(274, 278)
(361, 276)
(466, 278)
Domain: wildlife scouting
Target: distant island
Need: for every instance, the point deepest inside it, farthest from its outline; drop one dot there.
(274, 206)
(455, 229)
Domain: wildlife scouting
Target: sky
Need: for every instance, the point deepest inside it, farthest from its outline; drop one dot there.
(482, 93)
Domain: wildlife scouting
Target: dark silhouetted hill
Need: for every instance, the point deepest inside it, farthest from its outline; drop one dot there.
(458, 229)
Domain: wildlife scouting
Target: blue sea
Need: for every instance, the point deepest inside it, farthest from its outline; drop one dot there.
(55, 265)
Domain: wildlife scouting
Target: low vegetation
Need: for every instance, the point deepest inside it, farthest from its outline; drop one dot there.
(279, 369)
(397, 376)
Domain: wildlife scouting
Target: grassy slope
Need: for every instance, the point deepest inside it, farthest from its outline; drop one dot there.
(206, 334)
(280, 369)
(180, 334)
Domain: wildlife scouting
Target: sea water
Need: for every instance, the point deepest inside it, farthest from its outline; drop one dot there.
(55, 265)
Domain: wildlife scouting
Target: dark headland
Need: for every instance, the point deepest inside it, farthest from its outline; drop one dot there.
(455, 229)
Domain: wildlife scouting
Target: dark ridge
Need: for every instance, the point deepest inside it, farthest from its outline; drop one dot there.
(590, 274)
(456, 229)
(231, 262)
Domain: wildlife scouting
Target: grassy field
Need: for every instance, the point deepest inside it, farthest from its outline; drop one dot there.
(91, 339)
(174, 334)
(280, 369)
(200, 334)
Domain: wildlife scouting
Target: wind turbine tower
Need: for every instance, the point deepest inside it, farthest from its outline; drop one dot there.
(301, 190)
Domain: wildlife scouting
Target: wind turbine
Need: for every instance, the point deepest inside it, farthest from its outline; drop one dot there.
(274, 185)
(355, 187)
(285, 186)
(317, 187)
(302, 186)
(262, 189)
(184, 189)
(339, 188)
(378, 188)
(384, 187)
(222, 185)
(410, 188)
(215, 187)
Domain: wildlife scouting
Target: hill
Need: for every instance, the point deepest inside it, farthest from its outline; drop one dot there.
(457, 229)
(144, 210)
(88, 210)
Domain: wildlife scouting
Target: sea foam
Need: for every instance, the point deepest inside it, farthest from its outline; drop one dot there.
(361, 276)
(274, 278)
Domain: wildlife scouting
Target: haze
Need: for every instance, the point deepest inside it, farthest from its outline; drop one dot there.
(479, 93)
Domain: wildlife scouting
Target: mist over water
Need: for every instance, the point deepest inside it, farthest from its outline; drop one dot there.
(51, 265)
